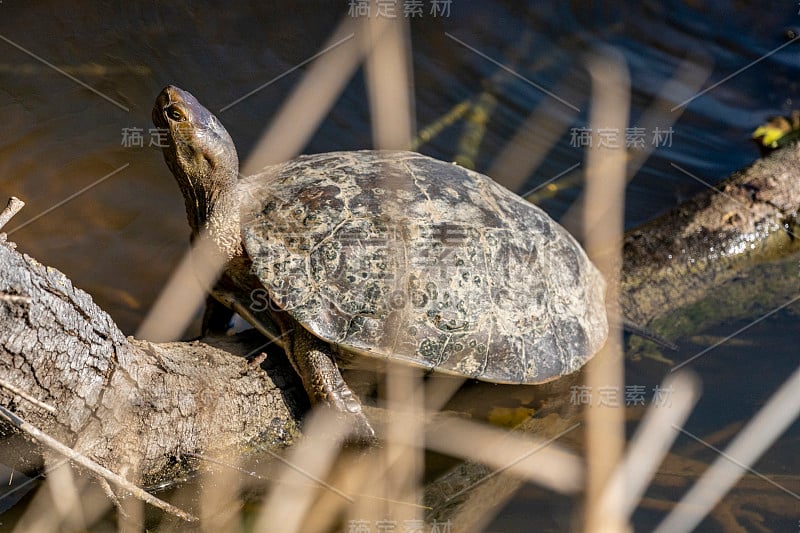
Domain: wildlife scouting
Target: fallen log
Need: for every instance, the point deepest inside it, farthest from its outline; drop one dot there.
(137, 408)
(733, 244)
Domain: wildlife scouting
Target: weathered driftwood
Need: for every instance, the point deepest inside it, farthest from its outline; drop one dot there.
(137, 408)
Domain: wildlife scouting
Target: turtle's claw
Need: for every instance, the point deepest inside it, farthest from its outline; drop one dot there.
(343, 401)
(362, 433)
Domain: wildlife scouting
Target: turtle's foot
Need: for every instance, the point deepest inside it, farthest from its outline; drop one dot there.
(345, 403)
(362, 436)
(324, 384)
(326, 387)
(341, 398)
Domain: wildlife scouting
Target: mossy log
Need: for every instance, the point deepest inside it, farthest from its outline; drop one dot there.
(725, 254)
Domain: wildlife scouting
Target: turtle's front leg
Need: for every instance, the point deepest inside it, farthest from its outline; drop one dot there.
(316, 365)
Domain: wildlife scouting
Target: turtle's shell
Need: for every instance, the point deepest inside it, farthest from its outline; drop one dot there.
(400, 256)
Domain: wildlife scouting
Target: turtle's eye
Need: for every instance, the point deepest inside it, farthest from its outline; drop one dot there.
(174, 113)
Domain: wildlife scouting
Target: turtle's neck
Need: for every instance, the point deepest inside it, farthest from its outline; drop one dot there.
(212, 204)
(223, 223)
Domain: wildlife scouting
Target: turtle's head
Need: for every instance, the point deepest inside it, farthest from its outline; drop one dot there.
(198, 151)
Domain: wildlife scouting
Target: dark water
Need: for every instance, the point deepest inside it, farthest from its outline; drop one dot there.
(120, 239)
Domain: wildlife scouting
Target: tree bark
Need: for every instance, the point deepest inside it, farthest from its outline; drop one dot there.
(140, 409)
(730, 244)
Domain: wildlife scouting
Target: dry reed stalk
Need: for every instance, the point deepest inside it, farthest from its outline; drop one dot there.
(603, 227)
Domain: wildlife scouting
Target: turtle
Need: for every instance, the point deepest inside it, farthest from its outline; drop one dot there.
(381, 254)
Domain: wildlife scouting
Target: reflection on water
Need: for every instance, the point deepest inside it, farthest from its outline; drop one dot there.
(120, 239)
